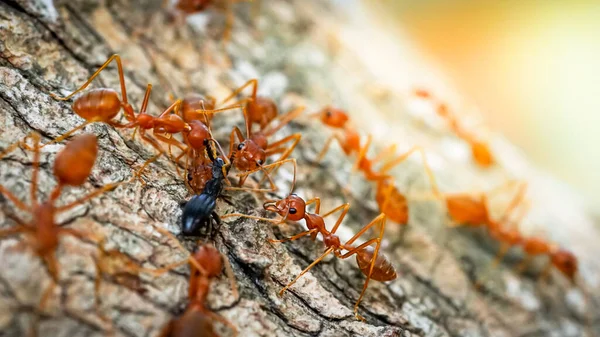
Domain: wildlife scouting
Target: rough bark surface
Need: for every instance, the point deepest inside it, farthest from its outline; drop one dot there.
(48, 46)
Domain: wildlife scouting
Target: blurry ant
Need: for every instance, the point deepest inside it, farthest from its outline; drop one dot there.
(189, 7)
(390, 200)
(72, 167)
(250, 153)
(338, 119)
(468, 210)
(199, 211)
(370, 262)
(480, 150)
(206, 263)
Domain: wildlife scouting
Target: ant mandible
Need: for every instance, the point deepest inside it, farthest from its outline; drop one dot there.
(368, 259)
(72, 166)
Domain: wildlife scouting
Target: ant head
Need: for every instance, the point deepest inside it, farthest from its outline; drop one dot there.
(209, 258)
(250, 156)
(333, 117)
(293, 207)
(566, 263)
(75, 161)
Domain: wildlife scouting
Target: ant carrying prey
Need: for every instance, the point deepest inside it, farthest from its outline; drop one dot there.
(199, 211)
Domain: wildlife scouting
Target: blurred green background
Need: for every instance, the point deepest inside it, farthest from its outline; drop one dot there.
(531, 67)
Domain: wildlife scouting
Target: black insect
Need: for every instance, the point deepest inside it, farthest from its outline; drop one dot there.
(199, 211)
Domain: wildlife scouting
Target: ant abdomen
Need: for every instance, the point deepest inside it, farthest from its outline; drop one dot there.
(382, 269)
(192, 323)
(465, 209)
(100, 105)
(481, 153)
(74, 163)
(392, 203)
(261, 110)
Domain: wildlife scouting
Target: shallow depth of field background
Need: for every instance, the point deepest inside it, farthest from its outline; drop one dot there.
(532, 69)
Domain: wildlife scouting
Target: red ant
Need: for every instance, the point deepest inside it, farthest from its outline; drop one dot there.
(206, 264)
(72, 166)
(103, 105)
(480, 150)
(338, 119)
(464, 209)
(250, 154)
(373, 265)
(390, 200)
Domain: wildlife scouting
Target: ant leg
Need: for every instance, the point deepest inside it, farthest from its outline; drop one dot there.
(345, 208)
(274, 221)
(201, 113)
(504, 247)
(333, 136)
(117, 59)
(253, 82)
(295, 237)
(362, 153)
(20, 205)
(327, 252)
(23, 142)
(387, 152)
(284, 119)
(171, 142)
(381, 220)
(316, 201)
(516, 201)
(286, 151)
(390, 164)
(223, 321)
(174, 106)
(273, 148)
(231, 277)
(53, 269)
(35, 172)
(263, 168)
(4, 232)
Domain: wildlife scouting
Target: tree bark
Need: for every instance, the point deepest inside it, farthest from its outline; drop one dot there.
(54, 47)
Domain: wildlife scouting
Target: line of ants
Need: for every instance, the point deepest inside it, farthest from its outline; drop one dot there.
(185, 126)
